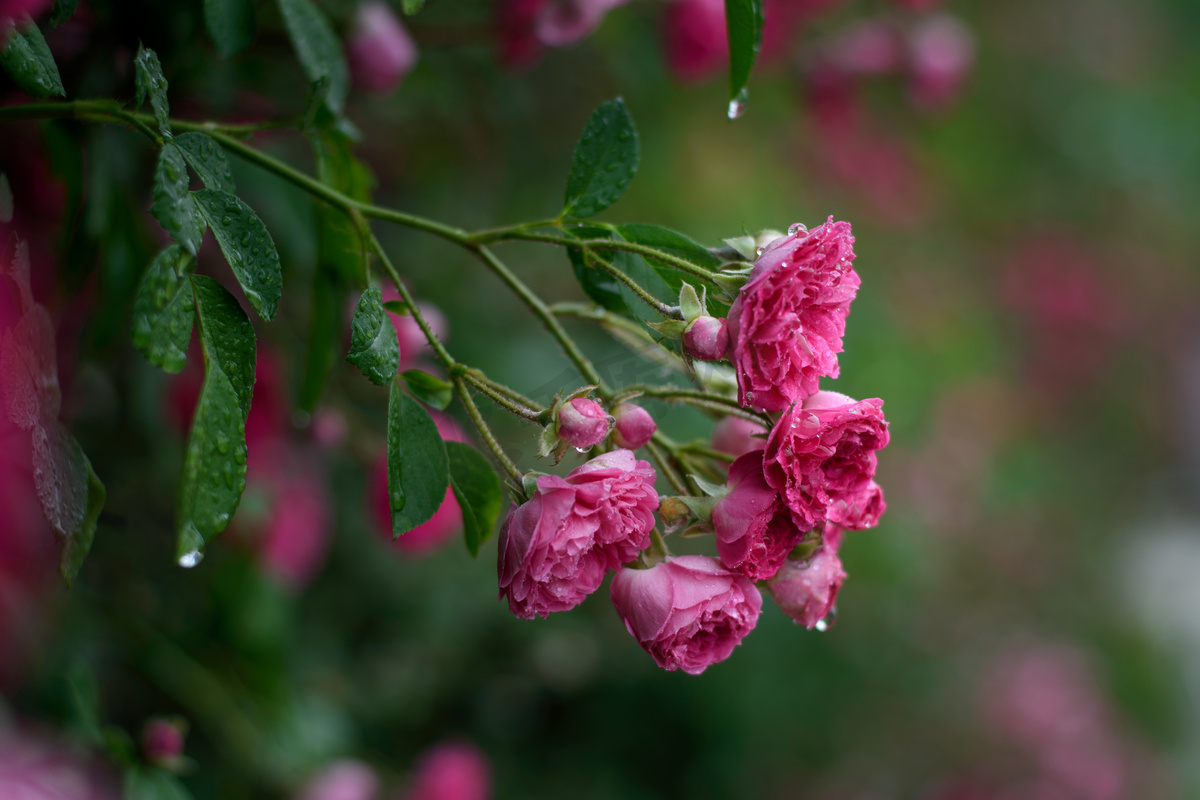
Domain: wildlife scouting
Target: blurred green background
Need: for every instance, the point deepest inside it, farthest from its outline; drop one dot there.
(1023, 625)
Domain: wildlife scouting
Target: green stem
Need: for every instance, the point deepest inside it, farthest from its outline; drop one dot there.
(706, 451)
(705, 400)
(662, 308)
(478, 375)
(626, 331)
(664, 466)
(498, 397)
(464, 392)
(518, 233)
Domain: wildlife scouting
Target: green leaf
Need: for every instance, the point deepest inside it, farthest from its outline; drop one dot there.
(597, 284)
(247, 246)
(417, 468)
(318, 48)
(214, 464)
(208, 159)
(605, 161)
(397, 307)
(79, 544)
(411, 7)
(149, 82)
(173, 206)
(429, 389)
(478, 491)
(163, 309)
(635, 267)
(28, 60)
(231, 24)
(324, 335)
(149, 783)
(373, 346)
(63, 11)
(671, 243)
(744, 24)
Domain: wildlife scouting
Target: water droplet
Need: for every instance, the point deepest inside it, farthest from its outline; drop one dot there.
(796, 229)
(828, 622)
(190, 559)
(226, 219)
(758, 251)
(737, 106)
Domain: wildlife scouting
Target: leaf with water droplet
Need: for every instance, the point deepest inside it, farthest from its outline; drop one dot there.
(27, 59)
(173, 206)
(256, 267)
(214, 464)
(318, 49)
(478, 491)
(149, 82)
(744, 25)
(373, 346)
(606, 159)
(208, 159)
(231, 24)
(163, 309)
(418, 471)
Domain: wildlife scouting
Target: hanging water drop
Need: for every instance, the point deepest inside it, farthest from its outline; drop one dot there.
(827, 622)
(190, 559)
(737, 106)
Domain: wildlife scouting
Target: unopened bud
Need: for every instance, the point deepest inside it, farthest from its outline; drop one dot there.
(634, 426)
(706, 339)
(162, 741)
(583, 423)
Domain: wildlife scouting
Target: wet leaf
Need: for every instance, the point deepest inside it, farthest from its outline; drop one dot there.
(429, 389)
(163, 309)
(744, 24)
(317, 48)
(79, 543)
(27, 59)
(417, 468)
(208, 159)
(231, 24)
(149, 82)
(373, 346)
(605, 161)
(248, 247)
(478, 491)
(173, 206)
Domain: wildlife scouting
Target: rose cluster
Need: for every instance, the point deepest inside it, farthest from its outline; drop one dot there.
(792, 489)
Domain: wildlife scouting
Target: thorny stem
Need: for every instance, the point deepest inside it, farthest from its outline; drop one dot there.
(478, 375)
(485, 387)
(705, 400)
(485, 432)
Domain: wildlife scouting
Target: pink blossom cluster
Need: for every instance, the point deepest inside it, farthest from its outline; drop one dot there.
(791, 493)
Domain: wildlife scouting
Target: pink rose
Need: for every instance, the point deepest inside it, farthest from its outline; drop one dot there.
(446, 521)
(379, 49)
(821, 458)
(555, 548)
(342, 780)
(633, 426)
(736, 436)
(162, 741)
(526, 27)
(583, 423)
(687, 612)
(451, 771)
(755, 532)
(786, 325)
(694, 38)
(806, 590)
(706, 339)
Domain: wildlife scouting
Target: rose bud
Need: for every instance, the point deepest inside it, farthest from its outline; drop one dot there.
(162, 741)
(941, 52)
(736, 436)
(754, 527)
(342, 780)
(555, 548)
(633, 426)
(379, 49)
(687, 612)
(583, 423)
(451, 771)
(786, 325)
(821, 458)
(706, 339)
(806, 591)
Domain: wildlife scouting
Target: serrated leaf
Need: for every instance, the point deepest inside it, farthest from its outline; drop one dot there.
(163, 310)
(79, 544)
(248, 247)
(743, 24)
(605, 161)
(61, 476)
(417, 465)
(149, 82)
(231, 24)
(411, 7)
(173, 206)
(373, 346)
(214, 464)
(429, 389)
(478, 491)
(598, 285)
(317, 48)
(63, 11)
(27, 59)
(208, 159)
